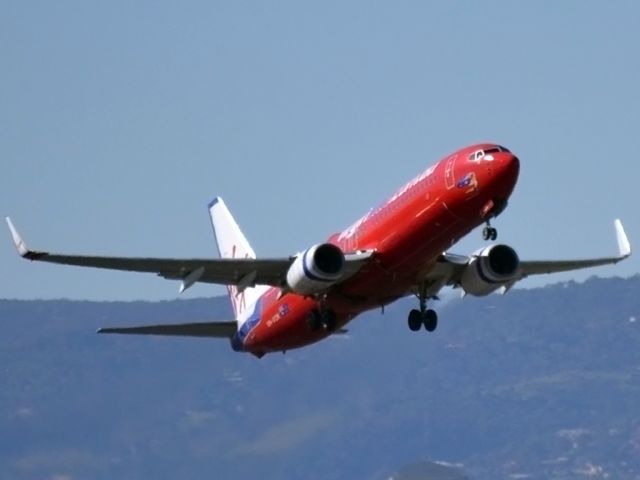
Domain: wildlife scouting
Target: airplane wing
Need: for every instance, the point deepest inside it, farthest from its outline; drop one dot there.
(449, 267)
(553, 266)
(202, 329)
(243, 272)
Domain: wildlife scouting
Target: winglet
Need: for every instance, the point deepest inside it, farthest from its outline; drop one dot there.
(17, 239)
(624, 247)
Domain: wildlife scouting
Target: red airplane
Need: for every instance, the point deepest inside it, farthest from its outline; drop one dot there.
(395, 250)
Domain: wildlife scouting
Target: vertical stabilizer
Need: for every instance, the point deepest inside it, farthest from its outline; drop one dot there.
(233, 244)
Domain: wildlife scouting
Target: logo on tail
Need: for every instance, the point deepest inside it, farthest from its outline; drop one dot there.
(233, 244)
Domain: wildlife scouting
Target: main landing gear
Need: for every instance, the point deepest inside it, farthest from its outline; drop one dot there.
(428, 318)
(322, 319)
(424, 316)
(489, 233)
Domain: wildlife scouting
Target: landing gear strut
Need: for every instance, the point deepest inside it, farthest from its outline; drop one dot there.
(424, 316)
(489, 233)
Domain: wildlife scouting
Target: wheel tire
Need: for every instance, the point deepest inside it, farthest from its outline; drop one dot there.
(430, 320)
(486, 233)
(494, 234)
(415, 320)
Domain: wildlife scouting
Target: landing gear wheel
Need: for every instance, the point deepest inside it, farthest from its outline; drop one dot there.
(423, 316)
(430, 319)
(415, 320)
(489, 233)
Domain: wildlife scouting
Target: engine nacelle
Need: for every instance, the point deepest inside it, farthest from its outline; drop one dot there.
(491, 268)
(316, 269)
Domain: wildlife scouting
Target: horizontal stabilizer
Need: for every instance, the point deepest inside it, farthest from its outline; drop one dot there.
(202, 329)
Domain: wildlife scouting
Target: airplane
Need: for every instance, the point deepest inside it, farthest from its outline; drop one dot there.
(398, 249)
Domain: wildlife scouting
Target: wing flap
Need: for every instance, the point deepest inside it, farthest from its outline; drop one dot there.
(199, 329)
(222, 271)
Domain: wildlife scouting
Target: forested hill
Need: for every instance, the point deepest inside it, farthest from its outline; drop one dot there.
(537, 384)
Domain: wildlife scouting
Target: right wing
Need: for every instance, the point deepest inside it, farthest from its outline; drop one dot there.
(536, 267)
(449, 268)
(243, 272)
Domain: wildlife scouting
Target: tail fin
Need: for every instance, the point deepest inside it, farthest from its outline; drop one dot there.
(233, 244)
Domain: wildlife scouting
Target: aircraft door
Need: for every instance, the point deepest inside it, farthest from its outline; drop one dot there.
(449, 172)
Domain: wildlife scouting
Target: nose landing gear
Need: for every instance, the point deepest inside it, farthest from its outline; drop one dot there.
(489, 233)
(492, 209)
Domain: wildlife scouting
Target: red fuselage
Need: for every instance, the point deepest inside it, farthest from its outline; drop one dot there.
(407, 233)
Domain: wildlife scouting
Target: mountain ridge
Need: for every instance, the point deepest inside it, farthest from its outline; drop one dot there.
(542, 382)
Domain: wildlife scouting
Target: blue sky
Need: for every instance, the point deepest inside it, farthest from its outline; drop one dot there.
(120, 120)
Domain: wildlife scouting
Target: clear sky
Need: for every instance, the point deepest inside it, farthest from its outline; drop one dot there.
(120, 120)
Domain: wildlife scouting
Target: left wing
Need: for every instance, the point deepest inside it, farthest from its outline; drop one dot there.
(203, 329)
(243, 272)
(449, 268)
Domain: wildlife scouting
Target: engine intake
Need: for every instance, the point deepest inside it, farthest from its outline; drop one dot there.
(316, 269)
(491, 268)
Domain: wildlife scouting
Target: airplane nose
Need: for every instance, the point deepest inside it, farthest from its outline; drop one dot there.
(504, 170)
(510, 167)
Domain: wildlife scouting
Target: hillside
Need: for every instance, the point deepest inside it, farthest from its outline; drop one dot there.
(538, 384)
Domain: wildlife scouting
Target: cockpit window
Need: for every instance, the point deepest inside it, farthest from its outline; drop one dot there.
(477, 155)
(480, 154)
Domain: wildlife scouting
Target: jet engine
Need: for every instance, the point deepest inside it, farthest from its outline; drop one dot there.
(489, 269)
(316, 269)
